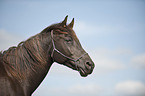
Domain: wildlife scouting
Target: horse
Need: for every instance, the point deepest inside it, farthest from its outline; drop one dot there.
(23, 67)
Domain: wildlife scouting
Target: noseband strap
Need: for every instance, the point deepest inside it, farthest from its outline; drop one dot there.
(54, 49)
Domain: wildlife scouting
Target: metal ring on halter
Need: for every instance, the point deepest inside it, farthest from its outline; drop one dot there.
(54, 49)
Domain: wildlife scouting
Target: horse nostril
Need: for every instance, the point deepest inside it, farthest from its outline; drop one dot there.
(88, 63)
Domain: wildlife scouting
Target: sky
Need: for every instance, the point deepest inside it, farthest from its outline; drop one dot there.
(111, 31)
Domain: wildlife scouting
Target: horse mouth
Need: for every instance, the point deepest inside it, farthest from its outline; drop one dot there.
(82, 72)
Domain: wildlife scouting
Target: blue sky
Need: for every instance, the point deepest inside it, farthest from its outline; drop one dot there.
(111, 31)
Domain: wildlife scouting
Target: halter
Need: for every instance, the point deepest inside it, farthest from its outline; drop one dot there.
(54, 49)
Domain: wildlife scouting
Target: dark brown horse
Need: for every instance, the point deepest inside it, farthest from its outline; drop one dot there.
(24, 67)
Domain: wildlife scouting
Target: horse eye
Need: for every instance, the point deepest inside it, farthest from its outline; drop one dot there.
(68, 39)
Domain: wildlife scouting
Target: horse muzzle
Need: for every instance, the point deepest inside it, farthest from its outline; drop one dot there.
(86, 69)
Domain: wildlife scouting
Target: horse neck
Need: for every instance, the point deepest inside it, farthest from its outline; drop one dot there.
(30, 62)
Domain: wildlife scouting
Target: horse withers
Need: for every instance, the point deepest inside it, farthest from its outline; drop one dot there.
(24, 67)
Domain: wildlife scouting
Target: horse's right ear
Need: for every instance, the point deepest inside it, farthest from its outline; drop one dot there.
(64, 21)
(71, 24)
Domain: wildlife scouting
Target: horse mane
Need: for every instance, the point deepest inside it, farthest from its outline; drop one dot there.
(1, 55)
(28, 55)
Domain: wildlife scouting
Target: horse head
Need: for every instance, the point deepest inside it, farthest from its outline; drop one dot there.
(67, 49)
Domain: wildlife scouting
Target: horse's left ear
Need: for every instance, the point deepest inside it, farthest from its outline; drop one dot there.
(64, 21)
(71, 24)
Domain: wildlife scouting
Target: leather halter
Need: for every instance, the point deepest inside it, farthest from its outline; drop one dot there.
(54, 49)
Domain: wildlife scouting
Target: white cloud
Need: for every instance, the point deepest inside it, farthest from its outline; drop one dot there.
(103, 61)
(106, 65)
(8, 39)
(130, 88)
(123, 51)
(85, 90)
(138, 61)
(86, 29)
(73, 90)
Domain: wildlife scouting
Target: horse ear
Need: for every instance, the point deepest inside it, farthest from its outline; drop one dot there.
(64, 21)
(71, 24)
